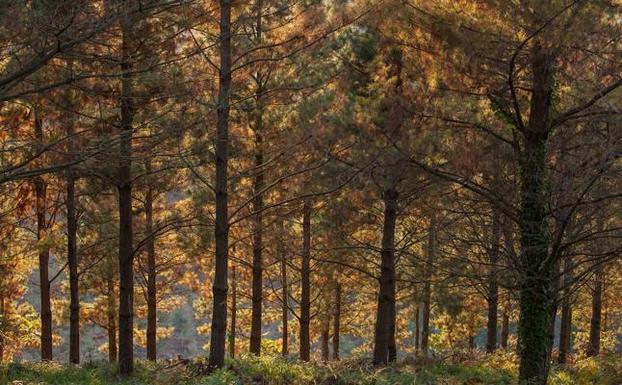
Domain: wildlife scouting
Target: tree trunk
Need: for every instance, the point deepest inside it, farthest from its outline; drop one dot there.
(324, 337)
(565, 335)
(417, 331)
(72, 232)
(124, 187)
(336, 321)
(384, 331)
(536, 284)
(305, 301)
(152, 306)
(112, 319)
(427, 285)
(493, 287)
(221, 228)
(284, 292)
(593, 348)
(505, 327)
(257, 285)
(234, 311)
(44, 255)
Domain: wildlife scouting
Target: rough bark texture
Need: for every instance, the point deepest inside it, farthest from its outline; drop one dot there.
(427, 285)
(417, 331)
(152, 305)
(493, 286)
(536, 286)
(305, 300)
(337, 321)
(221, 228)
(593, 348)
(44, 255)
(384, 332)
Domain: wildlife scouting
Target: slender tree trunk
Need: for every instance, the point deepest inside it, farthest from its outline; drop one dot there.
(221, 228)
(72, 249)
(2, 315)
(417, 331)
(536, 284)
(493, 287)
(427, 286)
(305, 301)
(284, 292)
(44, 255)
(234, 311)
(112, 319)
(565, 335)
(505, 327)
(257, 285)
(324, 337)
(336, 321)
(385, 311)
(124, 187)
(593, 348)
(152, 305)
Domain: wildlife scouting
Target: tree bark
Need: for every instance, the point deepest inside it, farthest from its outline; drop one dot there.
(427, 285)
(493, 287)
(324, 337)
(536, 286)
(505, 327)
(305, 300)
(112, 319)
(152, 305)
(565, 335)
(234, 312)
(44, 254)
(417, 331)
(593, 348)
(124, 187)
(221, 228)
(337, 321)
(384, 331)
(257, 285)
(284, 291)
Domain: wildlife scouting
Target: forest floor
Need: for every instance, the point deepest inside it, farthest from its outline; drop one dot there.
(496, 369)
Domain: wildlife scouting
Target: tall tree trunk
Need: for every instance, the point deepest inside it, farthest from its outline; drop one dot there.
(221, 228)
(593, 348)
(124, 187)
(536, 284)
(337, 321)
(44, 254)
(284, 292)
(493, 287)
(152, 305)
(427, 285)
(417, 331)
(384, 330)
(112, 319)
(324, 337)
(565, 335)
(305, 300)
(505, 326)
(72, 232)
(257, 285)
(234, 312)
